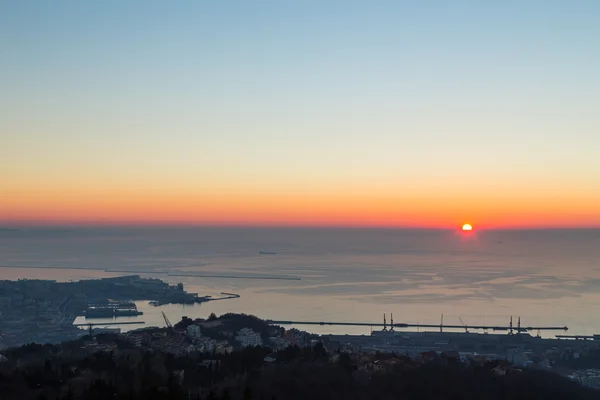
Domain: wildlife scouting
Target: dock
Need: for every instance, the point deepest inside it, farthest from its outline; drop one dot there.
(109, 323)
(579, 337)
(433, 326)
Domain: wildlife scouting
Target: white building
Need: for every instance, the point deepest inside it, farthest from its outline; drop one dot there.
(137, 340)
(206, 346)
(223, 347)
(194, 332)
(591, 381)
(247, 338)
(517, 358)
(587, 377)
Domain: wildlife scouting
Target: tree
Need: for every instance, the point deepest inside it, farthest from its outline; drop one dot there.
(247, 393)
(225, 395)
(212, 317)
(319, 350)
(345, 362)
(211, 395)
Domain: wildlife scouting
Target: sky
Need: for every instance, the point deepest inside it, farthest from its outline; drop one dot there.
(379, 113)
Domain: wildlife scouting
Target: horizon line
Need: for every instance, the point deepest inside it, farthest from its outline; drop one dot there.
(97, 224)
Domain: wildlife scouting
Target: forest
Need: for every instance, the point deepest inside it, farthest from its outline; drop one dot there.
(49, 372)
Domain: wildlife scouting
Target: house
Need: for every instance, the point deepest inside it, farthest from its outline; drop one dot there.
(136, 340)
(223, 347)
(194, 332)
(248, 338)
(179, 375)
(205, 345)
(270, 359)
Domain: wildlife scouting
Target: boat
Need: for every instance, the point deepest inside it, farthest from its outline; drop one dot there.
(266, 252)
(112, 310)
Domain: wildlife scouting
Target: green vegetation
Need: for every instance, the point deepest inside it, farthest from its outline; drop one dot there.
(214, 326)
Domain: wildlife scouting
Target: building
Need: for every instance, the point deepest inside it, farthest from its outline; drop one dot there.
(518, 358)
(296, 337)
(194, 332)
(136, 340)
(587, 377)
(222, 347)
(205, 345)
(278, 343)
(248, 338)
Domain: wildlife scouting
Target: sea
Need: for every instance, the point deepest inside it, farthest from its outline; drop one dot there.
(545, 277)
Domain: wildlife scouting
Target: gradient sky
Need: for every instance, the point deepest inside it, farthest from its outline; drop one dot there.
(396, 113)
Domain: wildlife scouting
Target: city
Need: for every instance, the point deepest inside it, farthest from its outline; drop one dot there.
(36, 311)
(43, 311)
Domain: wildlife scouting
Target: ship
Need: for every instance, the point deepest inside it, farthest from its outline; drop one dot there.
(267, 252)
(112, 310)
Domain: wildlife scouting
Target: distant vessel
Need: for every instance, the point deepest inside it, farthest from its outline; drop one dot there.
(112, 310)
(266, 252)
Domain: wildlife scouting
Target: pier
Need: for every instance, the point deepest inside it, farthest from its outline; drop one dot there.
(206, 274)
(433, 326)
(227, 276)
(579, 337)
(109, 323)
(226, 296)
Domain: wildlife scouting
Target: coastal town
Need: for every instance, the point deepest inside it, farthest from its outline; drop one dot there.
(214, 344)
(42, 312)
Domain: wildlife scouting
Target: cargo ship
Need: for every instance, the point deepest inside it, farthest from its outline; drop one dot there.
(112, 310)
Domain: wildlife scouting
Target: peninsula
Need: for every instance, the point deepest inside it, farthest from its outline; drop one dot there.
(43, 311)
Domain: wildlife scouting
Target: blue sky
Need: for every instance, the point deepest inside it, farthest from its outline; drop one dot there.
(294, 95)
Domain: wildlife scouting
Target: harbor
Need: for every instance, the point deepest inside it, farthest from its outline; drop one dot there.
(510, 328)
(47, 311)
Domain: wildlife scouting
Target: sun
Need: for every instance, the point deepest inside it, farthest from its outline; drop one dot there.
(467, 227)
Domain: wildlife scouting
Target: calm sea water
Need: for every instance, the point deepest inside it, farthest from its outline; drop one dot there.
(547, 277)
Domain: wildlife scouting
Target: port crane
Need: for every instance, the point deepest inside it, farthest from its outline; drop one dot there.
(418, 325)
(167, 322)
(465, 325)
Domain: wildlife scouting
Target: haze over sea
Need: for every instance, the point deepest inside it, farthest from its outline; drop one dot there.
(547, 277)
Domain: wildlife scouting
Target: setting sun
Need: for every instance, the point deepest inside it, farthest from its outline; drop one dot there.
(467, 227)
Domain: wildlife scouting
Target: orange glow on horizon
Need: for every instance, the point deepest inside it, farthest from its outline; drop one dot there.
(289, 208)
(209, 213)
